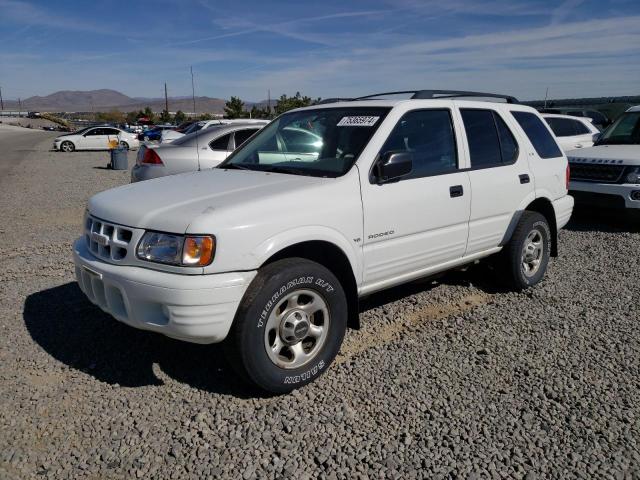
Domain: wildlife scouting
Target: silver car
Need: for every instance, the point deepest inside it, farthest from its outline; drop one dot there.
(196, 151)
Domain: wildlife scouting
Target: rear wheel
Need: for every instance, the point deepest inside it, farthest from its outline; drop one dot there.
(290, 325)
(526, 256)
(124, 145)
(67, 146)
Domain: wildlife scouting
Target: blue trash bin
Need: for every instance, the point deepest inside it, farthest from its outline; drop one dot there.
(119, 159)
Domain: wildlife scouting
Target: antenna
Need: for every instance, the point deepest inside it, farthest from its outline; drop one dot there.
(193, 96)
(545, 97)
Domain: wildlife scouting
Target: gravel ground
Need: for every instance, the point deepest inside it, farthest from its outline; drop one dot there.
(447, 379)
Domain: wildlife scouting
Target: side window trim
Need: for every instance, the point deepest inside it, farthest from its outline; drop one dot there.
(449, 110)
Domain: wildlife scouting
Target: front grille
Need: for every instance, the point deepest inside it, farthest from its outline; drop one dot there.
(590, 172)
(107, 240)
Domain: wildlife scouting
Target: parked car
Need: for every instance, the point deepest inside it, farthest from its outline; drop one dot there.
(572, 132)
(155, 133)
(608, 174)
(95, 138)
(197, 151)
(272, 248)
(170, 136)
(599, 119)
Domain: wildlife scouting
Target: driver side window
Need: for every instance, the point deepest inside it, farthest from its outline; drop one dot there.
(429, 136)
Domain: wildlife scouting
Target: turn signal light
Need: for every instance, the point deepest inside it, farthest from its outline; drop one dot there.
(151, 157)
(198, 251)
(568, 176)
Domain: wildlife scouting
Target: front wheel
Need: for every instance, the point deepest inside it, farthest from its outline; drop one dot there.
(290, 325)
(527, 254)
(67, 146)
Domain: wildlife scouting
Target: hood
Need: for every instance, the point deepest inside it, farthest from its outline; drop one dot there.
(172, 203)
(618, 154)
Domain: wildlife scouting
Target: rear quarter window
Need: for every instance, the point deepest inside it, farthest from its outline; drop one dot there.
(539, 135)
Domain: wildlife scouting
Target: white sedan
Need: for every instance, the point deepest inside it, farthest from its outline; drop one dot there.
(169, 136)
(95, 138)
(572, 132)
(196, 151)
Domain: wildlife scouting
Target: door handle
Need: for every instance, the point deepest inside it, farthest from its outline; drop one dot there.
(524, 178)
(456, 191)
(578, 145)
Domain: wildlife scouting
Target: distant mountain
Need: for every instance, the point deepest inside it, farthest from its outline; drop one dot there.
(106, 100)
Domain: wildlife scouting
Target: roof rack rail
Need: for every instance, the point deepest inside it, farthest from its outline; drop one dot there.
(434, 94)
(334, 100)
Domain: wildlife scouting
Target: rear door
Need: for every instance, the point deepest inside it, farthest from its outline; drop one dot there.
(548, 162)
(217, 150)
(499, 174)
(419, 222)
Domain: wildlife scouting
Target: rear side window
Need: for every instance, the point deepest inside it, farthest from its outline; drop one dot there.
(241, 136)
(538, 134)
(491, 143)
(562, 127)
(429, 136)
(581, 128)
(221, 143)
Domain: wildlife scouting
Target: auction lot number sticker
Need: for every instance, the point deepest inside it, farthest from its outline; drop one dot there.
(362, 121)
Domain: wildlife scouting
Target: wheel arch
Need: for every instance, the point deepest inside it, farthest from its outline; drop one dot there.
(332, 257)
(544, 207)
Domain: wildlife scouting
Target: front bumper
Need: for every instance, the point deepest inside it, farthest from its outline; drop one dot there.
(194, 308)
(613, 195)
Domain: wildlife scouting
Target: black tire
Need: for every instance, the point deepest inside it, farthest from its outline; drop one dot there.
(515, 271)
(124, 145)
(246, 344)
(67, 146)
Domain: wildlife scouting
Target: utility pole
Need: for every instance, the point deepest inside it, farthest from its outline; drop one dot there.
(19, 107)
(166, 99)
(1, 102)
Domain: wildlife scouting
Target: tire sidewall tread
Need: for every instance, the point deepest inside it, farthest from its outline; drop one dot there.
(272, 283)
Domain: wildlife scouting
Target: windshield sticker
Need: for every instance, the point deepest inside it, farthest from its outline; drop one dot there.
(367, 121)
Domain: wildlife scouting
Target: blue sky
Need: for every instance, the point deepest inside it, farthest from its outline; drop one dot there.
(321, 48)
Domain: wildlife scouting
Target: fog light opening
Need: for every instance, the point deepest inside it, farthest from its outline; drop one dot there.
(635, 195)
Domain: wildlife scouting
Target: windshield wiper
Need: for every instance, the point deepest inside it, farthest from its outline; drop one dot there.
(281, 169)
(236, 166)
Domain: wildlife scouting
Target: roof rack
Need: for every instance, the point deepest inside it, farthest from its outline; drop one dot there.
(428, 94)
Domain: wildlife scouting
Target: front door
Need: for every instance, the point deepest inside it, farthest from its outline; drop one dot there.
(420, 221)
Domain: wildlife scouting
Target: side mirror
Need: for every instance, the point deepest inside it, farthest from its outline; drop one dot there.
(393, 165)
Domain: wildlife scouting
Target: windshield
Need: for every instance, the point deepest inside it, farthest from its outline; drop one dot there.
(624, 131)
(319, 142)
(194, 128)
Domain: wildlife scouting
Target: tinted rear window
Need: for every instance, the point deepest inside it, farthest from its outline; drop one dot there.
(538, 134)
(491, 143)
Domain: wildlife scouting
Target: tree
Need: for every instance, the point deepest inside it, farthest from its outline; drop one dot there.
(259, 112)
(149, 114)
(132, 117)
(234, 108)
(114, 116)
(165, 116)
(206, 116)
(179, 117)
(285, 103)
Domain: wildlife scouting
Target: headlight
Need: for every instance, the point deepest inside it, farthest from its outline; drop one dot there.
(633, 175)
(188, 251)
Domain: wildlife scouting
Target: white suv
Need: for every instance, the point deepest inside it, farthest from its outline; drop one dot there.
(272, 249)
(608, 174)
